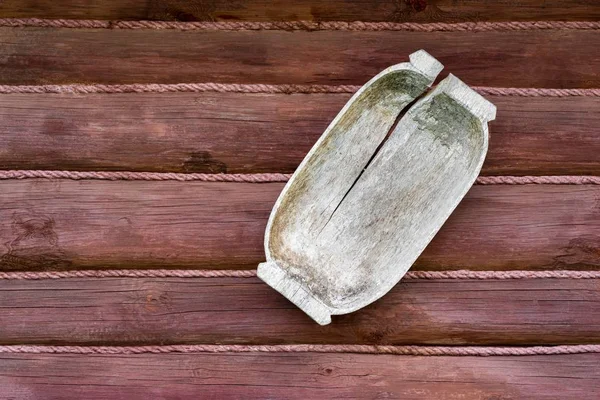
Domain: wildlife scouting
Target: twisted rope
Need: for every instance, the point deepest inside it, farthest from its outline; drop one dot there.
(536, 92)
(303, 25)
(265, 177)
(179, 87)
(264, 89)
(174, 273)
(539, 180)
(127, 273)
(144, 176)
(500, 275)
(473, 351)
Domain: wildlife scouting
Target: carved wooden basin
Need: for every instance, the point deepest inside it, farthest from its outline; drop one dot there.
(364, 204)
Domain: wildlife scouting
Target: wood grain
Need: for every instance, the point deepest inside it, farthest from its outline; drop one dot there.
(247, 133)
(247, 311)
(336, 10)
(298, 376)
(555, 59)
(102, 224)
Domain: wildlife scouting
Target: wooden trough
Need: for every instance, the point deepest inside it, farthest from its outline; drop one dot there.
(363, 205)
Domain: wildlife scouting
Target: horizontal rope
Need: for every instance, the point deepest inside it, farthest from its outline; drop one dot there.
(144, 176)
(178, 87)
(539, 180)
(127, 273)
(501, 275)
(175, 273)
(303, 25)
(474, 351)
(266, 177)
(536, 92)
(264, 89)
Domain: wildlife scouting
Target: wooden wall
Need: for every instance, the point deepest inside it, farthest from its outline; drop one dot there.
(59, 224)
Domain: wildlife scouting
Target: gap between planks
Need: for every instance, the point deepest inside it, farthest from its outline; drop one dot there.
(456, 351)
(214, 87)
(174, 273)
(302, 25)
(264, 177)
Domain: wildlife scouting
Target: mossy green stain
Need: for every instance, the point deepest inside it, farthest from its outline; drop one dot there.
(449, 121)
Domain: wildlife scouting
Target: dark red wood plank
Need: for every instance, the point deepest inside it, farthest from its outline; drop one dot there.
(246, 133)
(67, 224)
(298, 376)
(336, 10)
(549, 58)
(127, 311)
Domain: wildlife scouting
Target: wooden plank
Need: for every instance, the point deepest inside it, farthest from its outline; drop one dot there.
(521, 59)
(297, 376)
(67, 224)
(247, 311)
(246, 133)
(287, 10)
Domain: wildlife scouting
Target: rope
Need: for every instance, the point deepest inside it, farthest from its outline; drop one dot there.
(536, 92)
(474, 351)
(303, 25)
(539, 180)
(501, 275)
(266, 177)
(174, 273)
(144, 176)
(264, 89)
(179, 87)
(127, 273)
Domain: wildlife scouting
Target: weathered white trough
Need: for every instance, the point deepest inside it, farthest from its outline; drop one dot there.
(363, 205)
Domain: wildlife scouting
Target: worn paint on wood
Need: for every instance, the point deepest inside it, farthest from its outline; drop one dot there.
(298, 376)
(101, 224)
(247, 133)
(284, 10)
(45, 56)
(246, 311)
(352, 220)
